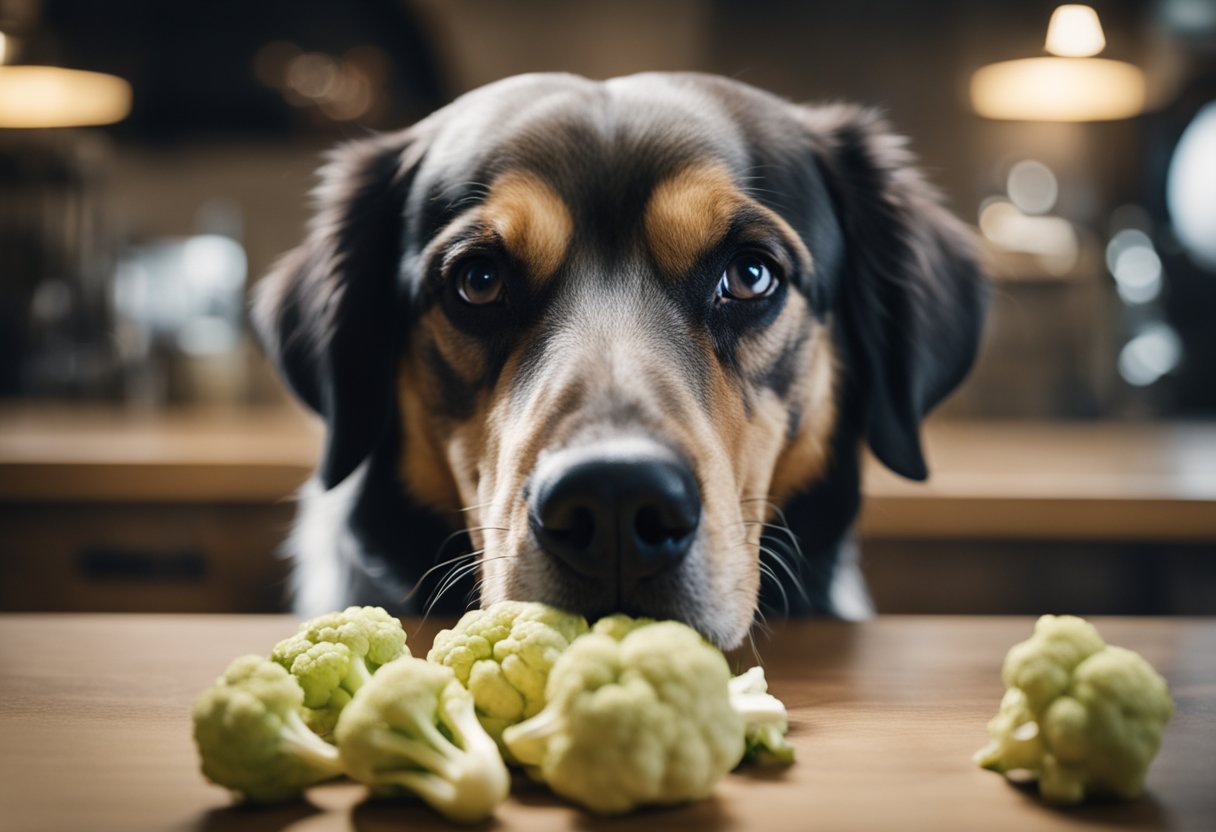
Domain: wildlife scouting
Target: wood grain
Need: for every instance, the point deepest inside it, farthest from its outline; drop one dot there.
(94, 716)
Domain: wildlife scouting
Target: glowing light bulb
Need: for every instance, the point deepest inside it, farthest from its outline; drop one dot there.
(1075, 32)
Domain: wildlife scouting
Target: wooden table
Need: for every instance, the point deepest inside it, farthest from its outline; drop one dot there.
(94, 723)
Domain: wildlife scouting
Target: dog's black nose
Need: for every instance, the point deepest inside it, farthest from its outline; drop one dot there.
(618, 519)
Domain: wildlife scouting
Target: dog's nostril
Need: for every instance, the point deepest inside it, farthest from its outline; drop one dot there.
(654, 530)
(576, 528)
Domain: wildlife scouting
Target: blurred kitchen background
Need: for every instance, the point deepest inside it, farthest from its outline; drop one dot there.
(155, 158)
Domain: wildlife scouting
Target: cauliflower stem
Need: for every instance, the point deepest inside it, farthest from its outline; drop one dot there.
(447, 770)
(412, 728)
(298, 739)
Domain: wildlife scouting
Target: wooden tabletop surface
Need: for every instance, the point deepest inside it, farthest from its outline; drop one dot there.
(1093, 481)
(94, 716)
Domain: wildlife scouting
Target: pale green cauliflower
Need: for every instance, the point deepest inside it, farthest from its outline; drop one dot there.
(619, 625)
(644, 719)
(1085, 718)
(333, 655)
(503, 655)
(251, 738)
(412, 730)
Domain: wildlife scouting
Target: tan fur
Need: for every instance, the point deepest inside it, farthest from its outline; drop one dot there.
(431, 473)
(689, 213)
(531, 219)
(805, 459)
(425, 467)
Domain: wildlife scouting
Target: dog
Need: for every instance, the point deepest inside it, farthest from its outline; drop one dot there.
(621, 343)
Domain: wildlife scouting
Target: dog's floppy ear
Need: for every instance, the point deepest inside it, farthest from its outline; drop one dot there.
(328, 313)
(911, 294)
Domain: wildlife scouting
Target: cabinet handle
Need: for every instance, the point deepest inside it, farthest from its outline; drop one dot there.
(103, 563)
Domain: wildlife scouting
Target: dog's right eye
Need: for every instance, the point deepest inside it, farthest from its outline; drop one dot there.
(480, 281)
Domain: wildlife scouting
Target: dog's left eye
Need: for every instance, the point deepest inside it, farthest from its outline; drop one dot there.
(479, 281)
(747, 277)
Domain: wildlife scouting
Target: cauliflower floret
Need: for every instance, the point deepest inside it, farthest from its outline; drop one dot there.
(503, 655)
(1084, 717)
(646, 719)
(251, 738)
(619, 625)
(333, 655)
(765, 719)
(411, 729)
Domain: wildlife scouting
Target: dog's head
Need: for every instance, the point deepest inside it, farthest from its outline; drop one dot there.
(612, 323)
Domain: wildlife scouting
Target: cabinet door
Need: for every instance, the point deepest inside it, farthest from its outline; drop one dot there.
(143, 557)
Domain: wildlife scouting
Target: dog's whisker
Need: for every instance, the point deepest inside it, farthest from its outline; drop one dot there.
(751, 640)
(475, 592)
(444, 543)
(468, 530)
(471, 529)
(472, 559)
(780, 559)
(422, 578)
(771, 575)
(455, 579)
(452, 579)
(759, 623)
(777, 527)
(794, 577)
(782, 525)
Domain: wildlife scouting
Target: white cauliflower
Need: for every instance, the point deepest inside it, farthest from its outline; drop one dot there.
(503, 655)
(646, 719)
(1083, 717)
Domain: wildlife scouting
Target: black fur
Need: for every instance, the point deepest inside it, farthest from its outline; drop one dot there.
(329, 312)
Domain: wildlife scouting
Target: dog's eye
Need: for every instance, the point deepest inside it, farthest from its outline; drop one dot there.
(746, 278)
(479, 281)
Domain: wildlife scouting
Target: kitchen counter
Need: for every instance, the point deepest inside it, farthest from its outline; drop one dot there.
(885, 715)
(1103, 481)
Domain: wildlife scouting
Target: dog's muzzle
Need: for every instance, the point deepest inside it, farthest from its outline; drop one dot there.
(616, 513)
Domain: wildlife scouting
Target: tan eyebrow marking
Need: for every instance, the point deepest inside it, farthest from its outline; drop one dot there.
(690, 212)
(532, 220)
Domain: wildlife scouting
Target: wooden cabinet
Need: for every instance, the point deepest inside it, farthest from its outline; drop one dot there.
(146, 557)
(171, 511)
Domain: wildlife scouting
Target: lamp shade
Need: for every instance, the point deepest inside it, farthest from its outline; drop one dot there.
(49, 96)
(1058, 89)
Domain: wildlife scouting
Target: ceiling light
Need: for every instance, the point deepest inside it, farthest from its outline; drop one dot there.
(1070, 86)
(50, 96)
